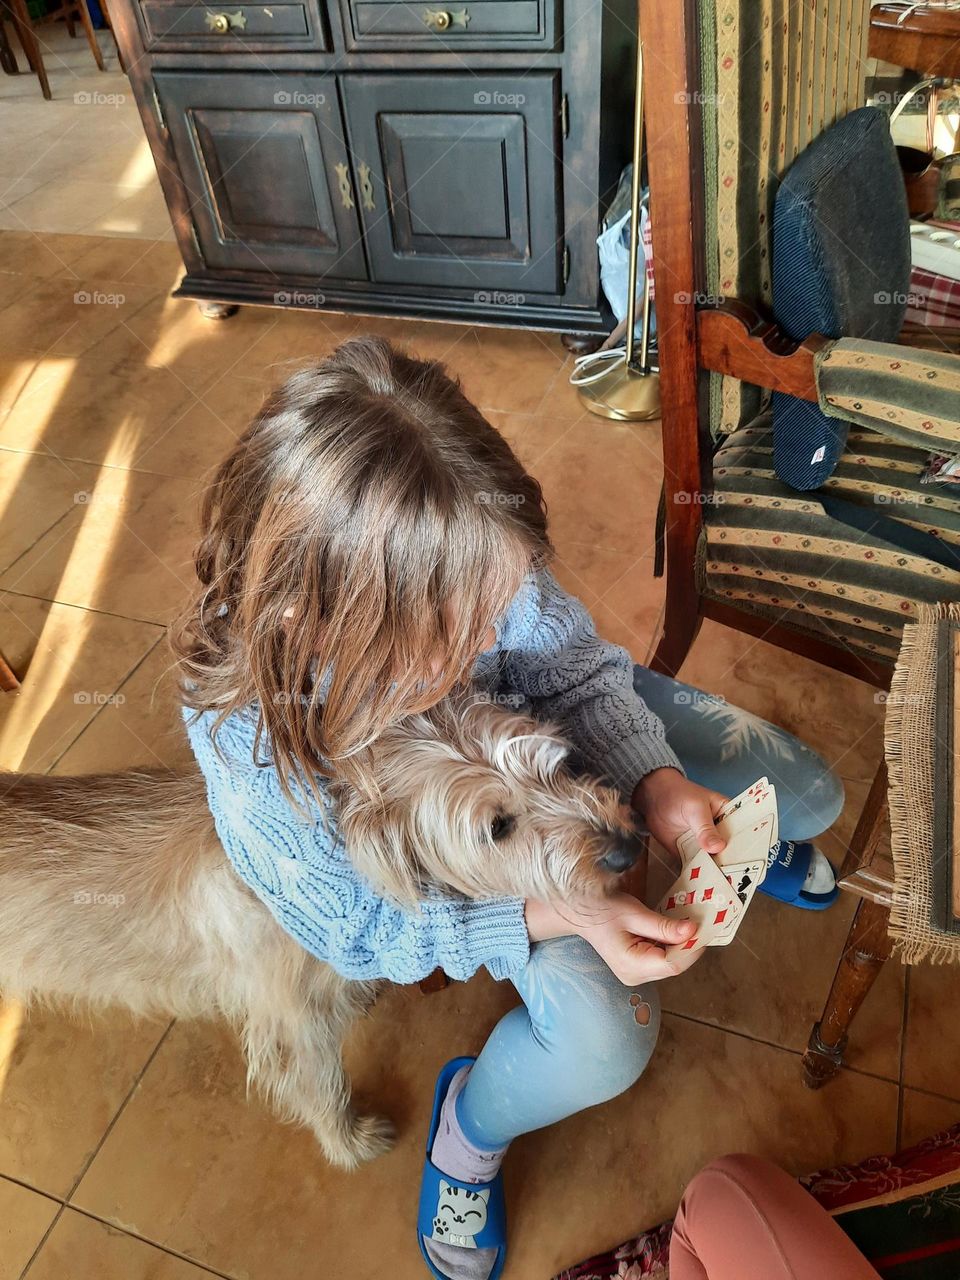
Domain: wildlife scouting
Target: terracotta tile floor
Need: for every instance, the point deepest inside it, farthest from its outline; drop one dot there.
(131, 1150)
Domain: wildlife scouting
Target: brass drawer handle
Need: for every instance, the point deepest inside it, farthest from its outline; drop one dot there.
(343, 177)
(444, 19)
(366, 185)
(223, 23)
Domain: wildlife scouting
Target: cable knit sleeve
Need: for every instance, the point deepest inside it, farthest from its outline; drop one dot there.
(296, 864)
(554, 658)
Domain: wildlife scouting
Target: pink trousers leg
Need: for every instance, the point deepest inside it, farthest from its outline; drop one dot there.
(742, 1216)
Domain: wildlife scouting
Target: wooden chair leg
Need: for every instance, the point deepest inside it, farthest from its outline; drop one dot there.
(104, 9)
(8, 61)
(681, 622)
(30, 44)
(867, 947)
(91, 34)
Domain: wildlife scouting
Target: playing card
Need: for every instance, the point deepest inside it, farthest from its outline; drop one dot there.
(716, 891)
(749, 824)
(702, 894)
(688, 846)
(744, 880)
(748, 835)
(755, 794)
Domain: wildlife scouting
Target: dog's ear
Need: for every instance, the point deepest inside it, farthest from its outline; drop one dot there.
(540, 751)
(378, 845)
(552, 749)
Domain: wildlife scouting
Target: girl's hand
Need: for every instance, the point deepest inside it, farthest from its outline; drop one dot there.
(627, 935)
(671, 805)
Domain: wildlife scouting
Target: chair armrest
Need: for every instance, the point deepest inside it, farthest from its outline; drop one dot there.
(734, 338)
(910, 394)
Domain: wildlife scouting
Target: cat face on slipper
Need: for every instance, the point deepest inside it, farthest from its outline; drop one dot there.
(461, 1215)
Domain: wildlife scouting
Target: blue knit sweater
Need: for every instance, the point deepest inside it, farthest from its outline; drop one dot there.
(548, 658)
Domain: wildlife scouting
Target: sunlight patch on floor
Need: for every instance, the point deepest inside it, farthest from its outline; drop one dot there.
(11, 1019)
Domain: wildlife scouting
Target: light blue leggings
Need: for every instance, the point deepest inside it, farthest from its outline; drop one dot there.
(581, 1037)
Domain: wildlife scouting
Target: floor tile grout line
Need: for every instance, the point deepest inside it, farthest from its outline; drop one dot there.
(100, 465)
(26, 551)
(63, 1207)
(28, 1186)
(43, 1240)
(931, 1093)
(103, 706)
(772, 1044)
(154, 1244)
(72, 604)
(135, 1084)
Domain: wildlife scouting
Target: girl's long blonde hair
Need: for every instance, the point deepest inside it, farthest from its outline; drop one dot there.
(369, 524)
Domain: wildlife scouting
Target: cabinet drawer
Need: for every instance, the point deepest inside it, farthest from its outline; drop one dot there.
(490, 24)
(231, 27)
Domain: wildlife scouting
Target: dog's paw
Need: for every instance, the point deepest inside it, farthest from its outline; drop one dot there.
(365, 1138)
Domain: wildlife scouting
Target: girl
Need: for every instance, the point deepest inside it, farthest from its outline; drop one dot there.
(369, 543)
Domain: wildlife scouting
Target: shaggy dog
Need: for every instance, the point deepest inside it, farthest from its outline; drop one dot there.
(469, 798)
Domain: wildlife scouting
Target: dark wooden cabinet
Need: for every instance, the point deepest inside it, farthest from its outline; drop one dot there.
(391, 158)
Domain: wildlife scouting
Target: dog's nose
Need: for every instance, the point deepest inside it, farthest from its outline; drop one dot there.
(623, 856)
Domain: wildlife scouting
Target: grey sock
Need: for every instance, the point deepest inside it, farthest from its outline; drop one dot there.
(455, 1154)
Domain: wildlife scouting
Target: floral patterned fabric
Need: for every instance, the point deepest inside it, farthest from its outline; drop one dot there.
(647, 1257)
(903, 1211)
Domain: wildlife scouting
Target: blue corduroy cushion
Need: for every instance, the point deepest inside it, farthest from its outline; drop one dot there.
(841, 267)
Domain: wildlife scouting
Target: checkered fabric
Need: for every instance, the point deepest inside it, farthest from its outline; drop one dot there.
(933, 300)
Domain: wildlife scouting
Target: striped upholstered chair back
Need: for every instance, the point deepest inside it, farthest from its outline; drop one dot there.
(774, 75)
(736, 90)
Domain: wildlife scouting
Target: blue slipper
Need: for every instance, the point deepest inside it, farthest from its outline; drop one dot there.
(786, 874)
(468, 1214)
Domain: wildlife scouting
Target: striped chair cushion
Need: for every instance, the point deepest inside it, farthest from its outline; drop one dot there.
(774, 74)
(772, 551)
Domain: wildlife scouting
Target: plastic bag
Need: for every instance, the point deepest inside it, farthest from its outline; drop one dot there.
(613, 245)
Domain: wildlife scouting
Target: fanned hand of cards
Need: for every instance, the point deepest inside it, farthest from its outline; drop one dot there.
(715, 891)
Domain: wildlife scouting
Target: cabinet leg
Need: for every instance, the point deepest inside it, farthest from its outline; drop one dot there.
(217, 310)
(866, 949)
(579, 344)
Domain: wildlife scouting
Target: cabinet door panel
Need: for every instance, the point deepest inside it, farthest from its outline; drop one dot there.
(459, 178)
(259, 155)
